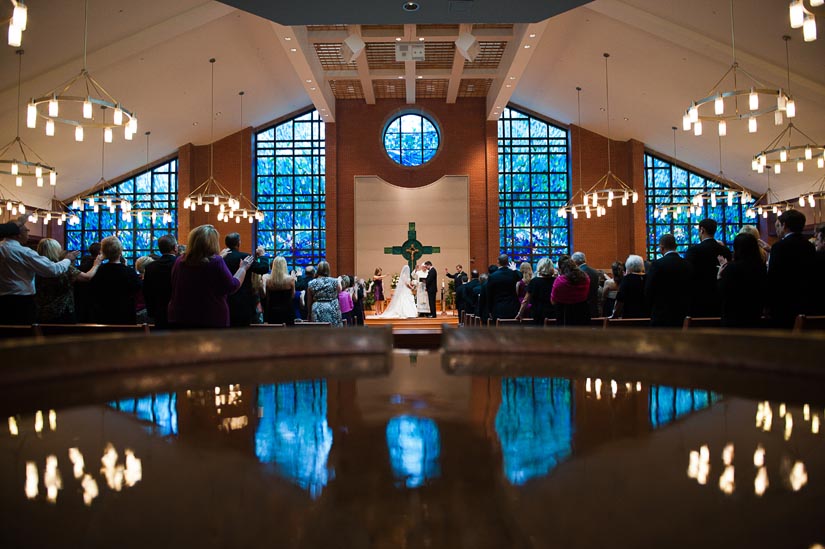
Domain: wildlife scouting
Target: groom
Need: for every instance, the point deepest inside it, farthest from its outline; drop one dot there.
(430, 282)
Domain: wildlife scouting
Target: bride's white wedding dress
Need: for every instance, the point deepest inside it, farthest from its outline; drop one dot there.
(402, 304)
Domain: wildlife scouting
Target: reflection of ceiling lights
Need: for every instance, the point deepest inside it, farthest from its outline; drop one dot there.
(760, 101)
(801, 17)
(62, 106)
(609, 187)
(28, 164)
(17, 23)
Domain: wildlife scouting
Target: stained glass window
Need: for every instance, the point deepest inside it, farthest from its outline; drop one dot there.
(668, 183)
(155, 189)
(533, 183)
(411, 139)
(290, 176)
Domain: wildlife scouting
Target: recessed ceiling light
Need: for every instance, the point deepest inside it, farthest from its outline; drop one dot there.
(508, 86)
(532, 35)
(512, 78)
(308, 80)
(194, 123)
(419, 77)
(401, 78)
(398, 39)
(527, 46)
(313, 88)
(420, 39)
(410, 6)
(293, 50)
(287, 38)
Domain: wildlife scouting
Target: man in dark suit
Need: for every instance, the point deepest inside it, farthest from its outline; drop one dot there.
(301, 284)
(501, 290)
(243, 302)
(157, 281)
(791, 271)
(459, 279)
(469, 293)
(820, 269)
(82, 297)
(594, 276)
(704, 258)
(430, 281)
(666, 287)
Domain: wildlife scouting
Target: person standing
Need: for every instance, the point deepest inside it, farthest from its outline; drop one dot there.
(742, 284)
(630, 298)
(301, 283)
(279, 289)
(501, 290)
(322, 297)
(459, 279)
(243, 303)
(667, 286)
(157, 281)
(819, 244)
(538, 293)
(431, 283)
(422, 301)
(82, 295)
(703, 257)
(594, 275)
(55, 295)
(114, 287)
(469, 293)
(791, 271)
(18, 267)
(378, 290)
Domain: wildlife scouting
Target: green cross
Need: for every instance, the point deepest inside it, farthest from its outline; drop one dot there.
(412, 250)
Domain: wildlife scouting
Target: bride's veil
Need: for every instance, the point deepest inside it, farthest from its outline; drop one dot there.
(404, 277)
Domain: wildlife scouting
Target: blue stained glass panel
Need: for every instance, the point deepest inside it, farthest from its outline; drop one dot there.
(411, 140)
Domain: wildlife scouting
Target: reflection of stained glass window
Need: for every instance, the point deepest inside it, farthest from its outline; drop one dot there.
(414, 447)
(534, 426)
(290, 176)
(668, 183)
(293, 432)
(533, 183)
(155, 189)
(667, 404)
(161, 410)
(411, 140)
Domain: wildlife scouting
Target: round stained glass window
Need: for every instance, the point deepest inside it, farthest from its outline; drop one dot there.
(411, 140)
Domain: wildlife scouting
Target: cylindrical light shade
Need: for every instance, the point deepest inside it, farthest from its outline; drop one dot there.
(78, 133)
(118, 118)
(50, 127)
(18, 180)
(31, 116)
(808, 153)
(763, 159)
(686, 122)
(15, 36)
(87, 109)
(107, 135)
(719, 105)
(760, 169)
(39, 181)
(754, 164)
(52, 178)
(820, 162)
(753, 100)
(811, 201)
(783, 155)
(693, 113)
(790, 108)
(777, 168)
(723, 128)
(697, 127)
(54, 108)
(809, 29)
(800, 165)
(132, 124)
(14, 168)
(20, 16)
(802, 201)
(752, 124)
(127, 133)
(778, 118)
(797, 13)
(38, 171)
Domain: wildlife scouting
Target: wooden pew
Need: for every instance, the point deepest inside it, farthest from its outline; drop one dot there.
(82, 329)
(508, 322)
(11, 331)
(701, 322)
(626, 322)
(804, 323)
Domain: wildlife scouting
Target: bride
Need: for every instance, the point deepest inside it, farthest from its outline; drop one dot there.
(402, 304)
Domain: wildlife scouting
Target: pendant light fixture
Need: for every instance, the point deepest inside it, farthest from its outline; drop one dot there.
(778, 153)
(28, 165)
(59, 213)
(11, 204)
(675, 208)
(247, 209)
(61, 105)
(142, 214)
(609, 187)
(817, 193)
(761, 100)
(17, 23)
(211, 194)
(768, 203)
(98, 196)
(802, 17)
(576, 203)
(731, 194)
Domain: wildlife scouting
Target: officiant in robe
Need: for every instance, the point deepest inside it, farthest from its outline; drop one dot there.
(422, 300)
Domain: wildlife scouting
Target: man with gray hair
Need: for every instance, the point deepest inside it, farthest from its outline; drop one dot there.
(594, 275)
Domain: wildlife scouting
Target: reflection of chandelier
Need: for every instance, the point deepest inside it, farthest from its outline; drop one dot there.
(211, 193)
(61, 100)
(25, 166)
(761, 100)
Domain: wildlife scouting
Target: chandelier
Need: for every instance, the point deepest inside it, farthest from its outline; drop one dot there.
(732, 194)
(13, 206)
(97, 197)
(760, 100)
(778, 155)
(63, 106)
(17, 23)
(28, 165)
(816, 193)
(675, 208)
(246, 210)
(768, 203)
(802, 17)
(211, 193)
(148, 213)
(60, 214)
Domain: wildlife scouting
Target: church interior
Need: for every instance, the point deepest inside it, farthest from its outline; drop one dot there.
(378, 134)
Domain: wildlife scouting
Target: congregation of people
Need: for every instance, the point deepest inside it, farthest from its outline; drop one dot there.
(205, 285)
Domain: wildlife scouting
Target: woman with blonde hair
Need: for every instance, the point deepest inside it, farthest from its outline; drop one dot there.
(114, 287)
(279, 291)
(55, 296)
(521, 286)
(201, 282)
(537, 295)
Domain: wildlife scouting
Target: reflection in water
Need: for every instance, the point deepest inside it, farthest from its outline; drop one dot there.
(159, 409)
(415, 447)
(293, 432)
(667, 404)
(534, 426)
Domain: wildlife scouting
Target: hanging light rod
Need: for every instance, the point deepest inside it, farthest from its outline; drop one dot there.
(28, 165)
(675, 208)
(77, 110)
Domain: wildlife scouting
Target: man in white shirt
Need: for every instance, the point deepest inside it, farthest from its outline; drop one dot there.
(18, 266)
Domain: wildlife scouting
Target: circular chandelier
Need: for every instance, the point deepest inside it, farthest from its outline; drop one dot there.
(730, 194)
(13, 206)
(75, 108)
(768, 203)
(761, 100)
(817, 193)
(28, 165)
(97, 197)
(211, 194)
(674, 208)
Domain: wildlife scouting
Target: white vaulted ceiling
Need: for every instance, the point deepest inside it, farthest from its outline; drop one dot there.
(153, 56)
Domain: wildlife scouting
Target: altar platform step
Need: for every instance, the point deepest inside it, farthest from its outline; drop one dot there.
(414, 333)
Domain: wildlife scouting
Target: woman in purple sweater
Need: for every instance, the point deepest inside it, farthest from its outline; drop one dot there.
(569, 294)
(201, 282)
